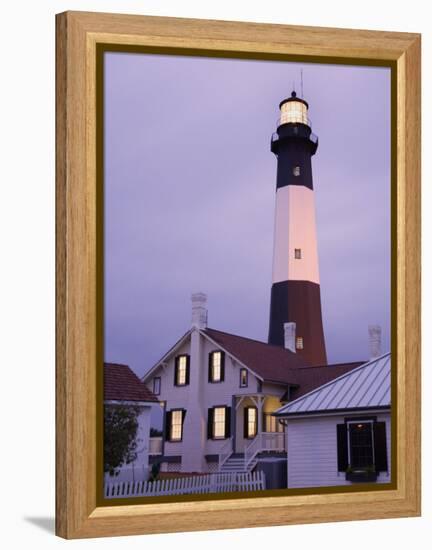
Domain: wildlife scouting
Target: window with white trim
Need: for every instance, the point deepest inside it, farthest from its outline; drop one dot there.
(157, 385)
(219, 420)
(176, 427)
(181, 370)
(243, 378)
(361, 449)
(216, 366)
(362, 446)
(251, 422)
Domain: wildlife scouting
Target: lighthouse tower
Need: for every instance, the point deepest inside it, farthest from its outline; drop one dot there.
(295, 293)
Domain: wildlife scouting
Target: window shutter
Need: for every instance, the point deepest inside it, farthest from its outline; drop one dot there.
(227, 422)
(342, 447)
(167, 425)
(183, 415)
(222, 366)
(380, 446)
(175, 370)
(210, 357)
(245, 422)
(187, 369)
(210, 424)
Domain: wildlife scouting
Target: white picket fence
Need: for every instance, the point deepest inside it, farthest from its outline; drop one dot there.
(210, 483)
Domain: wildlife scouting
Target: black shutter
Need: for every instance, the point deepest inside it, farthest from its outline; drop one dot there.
(210, 424)
(245, 422)
(264, 423)
(182, 426)
(210, 359)
(342, 447)
(222, 366)
(380, 447)
(175, 371)
(187, 369)
(167, 425)
(227, 422)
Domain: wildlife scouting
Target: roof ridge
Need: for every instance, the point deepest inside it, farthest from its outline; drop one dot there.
(348, 363)
(251, 340)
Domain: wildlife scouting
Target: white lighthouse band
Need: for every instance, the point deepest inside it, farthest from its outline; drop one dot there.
(295, 253)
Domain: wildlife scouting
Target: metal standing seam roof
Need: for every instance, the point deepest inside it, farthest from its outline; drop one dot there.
(367, 386)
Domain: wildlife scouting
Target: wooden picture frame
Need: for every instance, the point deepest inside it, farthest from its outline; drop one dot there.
(78, 296)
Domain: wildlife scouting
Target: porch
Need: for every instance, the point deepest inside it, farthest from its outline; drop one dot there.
(255, 433)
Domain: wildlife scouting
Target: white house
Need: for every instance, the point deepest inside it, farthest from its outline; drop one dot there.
(340, 433)
(122, 387)
(219, 391)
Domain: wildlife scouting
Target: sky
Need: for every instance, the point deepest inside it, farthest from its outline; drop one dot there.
(189, 197)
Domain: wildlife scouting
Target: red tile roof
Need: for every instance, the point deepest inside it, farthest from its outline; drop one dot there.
(277, 364)
(122, 384)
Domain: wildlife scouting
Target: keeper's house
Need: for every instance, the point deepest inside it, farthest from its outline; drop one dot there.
(218, 392)
(339, 433)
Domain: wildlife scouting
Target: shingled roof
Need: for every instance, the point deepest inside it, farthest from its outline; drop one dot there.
(277, 364)
(122, 384)
(272, 363)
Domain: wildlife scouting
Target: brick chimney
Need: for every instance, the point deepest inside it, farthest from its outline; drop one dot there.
(374, 341)
(199, 310)
(290, 336)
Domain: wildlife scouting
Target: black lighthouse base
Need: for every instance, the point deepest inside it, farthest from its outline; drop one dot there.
(298, 302)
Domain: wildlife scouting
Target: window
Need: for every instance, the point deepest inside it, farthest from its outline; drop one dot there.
(297, 253)
(181, 370)
(243, 378)
(156, 385)
(272, 424)
(219, 422)
(362, 444)
(299, 342)
(216, 366)
(174, 424)
(250, 422)
(296, 171)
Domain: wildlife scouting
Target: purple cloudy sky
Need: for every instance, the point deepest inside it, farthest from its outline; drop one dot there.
(190, 190)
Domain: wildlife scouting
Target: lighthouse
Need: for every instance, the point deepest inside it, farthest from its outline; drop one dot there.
(295, 292)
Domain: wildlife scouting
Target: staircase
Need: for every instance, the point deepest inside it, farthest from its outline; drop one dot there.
(246, 462)
(236, 463)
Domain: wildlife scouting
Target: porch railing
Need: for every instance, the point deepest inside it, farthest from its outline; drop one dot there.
(225, 451)
(264, 441)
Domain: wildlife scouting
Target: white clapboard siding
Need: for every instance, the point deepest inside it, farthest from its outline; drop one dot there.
(211, 483)
(312, 452)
